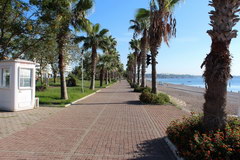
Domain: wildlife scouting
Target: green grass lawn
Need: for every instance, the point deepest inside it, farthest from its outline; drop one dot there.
(51, 96)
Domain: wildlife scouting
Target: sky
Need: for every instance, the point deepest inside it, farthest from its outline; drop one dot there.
(186, 52)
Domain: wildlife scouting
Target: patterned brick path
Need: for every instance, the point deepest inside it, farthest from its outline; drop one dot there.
(110, 125)
(11, 122)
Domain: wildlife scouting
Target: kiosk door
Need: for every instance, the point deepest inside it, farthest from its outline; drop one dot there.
(25, 95)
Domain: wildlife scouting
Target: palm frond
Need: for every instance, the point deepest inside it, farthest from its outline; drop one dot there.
(103, 32)
(142, 14)
(79, 39)
(96, 28)
(84, 5)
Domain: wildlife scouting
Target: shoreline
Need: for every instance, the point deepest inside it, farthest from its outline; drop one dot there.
(194, 97)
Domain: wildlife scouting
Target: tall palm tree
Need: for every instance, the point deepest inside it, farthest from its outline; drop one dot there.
(62, 16)
(109, 48)
(217, 63)
(95, 39)
(103, 59)
(135, 45)
(162, 28)
(141, 26)
(130, 68)
(115, 64)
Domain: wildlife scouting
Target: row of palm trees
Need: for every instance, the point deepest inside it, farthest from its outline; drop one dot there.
(66, 19)
(72, 14)
(155, 26)
(158, 25)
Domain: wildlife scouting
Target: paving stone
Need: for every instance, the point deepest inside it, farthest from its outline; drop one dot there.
(110, 125)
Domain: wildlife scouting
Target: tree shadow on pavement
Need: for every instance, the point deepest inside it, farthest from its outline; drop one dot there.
(155, 149)
(137, 102)
(127, 102)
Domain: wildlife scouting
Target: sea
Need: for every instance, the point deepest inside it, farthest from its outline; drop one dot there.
(197, 81)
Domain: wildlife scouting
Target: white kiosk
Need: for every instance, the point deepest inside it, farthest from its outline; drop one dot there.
(17, 85)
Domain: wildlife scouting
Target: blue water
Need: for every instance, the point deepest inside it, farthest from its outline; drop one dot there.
(233, 84)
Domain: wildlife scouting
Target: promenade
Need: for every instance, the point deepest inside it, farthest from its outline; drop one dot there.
(110, 125)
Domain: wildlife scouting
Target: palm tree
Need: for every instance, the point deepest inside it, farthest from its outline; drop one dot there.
(103, 59)
(135, 45)
(217, 63)
(162, 28)
(130, 68)
(61, 15)
(114, 66)
(95, 39)
(109, 48)
(141, 26)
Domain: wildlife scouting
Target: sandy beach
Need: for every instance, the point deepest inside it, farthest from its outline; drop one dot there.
(193, 97)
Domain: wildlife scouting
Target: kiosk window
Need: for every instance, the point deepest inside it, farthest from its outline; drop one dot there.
(5, 81)
(25, 77)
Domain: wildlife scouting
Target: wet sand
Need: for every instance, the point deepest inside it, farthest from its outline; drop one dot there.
(194, 97)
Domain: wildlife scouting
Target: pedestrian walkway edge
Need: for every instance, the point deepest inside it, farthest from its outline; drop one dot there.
(173, 148)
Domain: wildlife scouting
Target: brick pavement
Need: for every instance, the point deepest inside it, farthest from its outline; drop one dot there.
(11, 122)
(110, 125)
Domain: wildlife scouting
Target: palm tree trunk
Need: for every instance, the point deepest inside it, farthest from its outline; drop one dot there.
(61, 40)
(54, 73)
(154, 71)
(106, 77)
(216, 86)
(138, 71)
(135, 68)
(54, 77)
(94, 64)
(41, 75)
(110, 77)
(217, 63)
(101, 77)
(143, 53)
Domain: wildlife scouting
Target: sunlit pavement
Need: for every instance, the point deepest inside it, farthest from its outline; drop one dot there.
(110, 125)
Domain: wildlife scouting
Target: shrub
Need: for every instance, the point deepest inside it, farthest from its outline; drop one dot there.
(150, 98)
(41, 88)
(193, 143)
(146, 97)
(140, 89)
(164, 97)
(133, 85)
(114, 80)
(72, 81)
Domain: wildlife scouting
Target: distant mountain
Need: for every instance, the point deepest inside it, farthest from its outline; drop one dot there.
(173, 76)
(162, 76)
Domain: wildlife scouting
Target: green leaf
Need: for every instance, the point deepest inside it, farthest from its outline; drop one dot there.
(103, 32)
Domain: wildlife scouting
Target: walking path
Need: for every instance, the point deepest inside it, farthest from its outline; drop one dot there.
(11, 122)
(110, 125)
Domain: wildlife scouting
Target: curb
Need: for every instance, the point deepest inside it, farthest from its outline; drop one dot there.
(173, 148)
(67, 105)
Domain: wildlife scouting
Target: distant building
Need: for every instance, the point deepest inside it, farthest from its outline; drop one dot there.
(47, 72)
